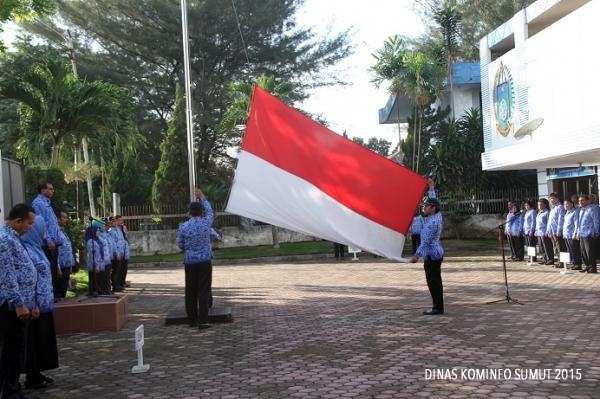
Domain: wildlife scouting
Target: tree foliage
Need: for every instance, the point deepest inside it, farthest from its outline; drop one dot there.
(415, 74)
(56, 110)
(477, 19)
(171, 179)
(138, 44)
(19, 10)
(379, 145)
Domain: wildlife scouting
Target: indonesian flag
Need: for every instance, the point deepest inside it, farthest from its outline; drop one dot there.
(295, 173)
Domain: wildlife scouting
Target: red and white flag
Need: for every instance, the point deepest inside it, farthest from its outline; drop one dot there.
(295, 173)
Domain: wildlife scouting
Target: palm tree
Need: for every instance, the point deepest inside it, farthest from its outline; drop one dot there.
(448, 18)
(57, 111)
(389, 67)
(412, 73)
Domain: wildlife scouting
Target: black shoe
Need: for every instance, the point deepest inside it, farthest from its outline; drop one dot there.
(592, 271)
(433, 311)
(550, 262)
(21, 395)
(204, 326)
(575, 267)
(584, 270)
(47, 379)
(37, 384)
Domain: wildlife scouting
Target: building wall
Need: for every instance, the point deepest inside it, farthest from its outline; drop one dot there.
(465, 98)
(552, 75)
(158, 242)
(161, 242)
(12, 185)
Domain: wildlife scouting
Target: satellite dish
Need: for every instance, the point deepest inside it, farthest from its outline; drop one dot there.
(528, 128)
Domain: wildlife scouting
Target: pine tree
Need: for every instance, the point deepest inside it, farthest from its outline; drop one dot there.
(171, 181)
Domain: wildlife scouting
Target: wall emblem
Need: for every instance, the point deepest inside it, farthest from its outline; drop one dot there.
(504, 100)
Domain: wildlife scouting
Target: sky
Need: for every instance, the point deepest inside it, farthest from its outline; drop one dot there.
(355, 108)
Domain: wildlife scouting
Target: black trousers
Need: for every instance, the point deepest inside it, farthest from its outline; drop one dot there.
(198, 281)
(416, 241)
(588, 252)
(52, 255)
(13, 338)
(95, 281)
(516, 247)
(433, 275)
(546, 246)
(574, 251)
(42, 350)
(62, 283)
(558, 245)
(104, 281)
(338, 250)
(115, 275)
(123, 274)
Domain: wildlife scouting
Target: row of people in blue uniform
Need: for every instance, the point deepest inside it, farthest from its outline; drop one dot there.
(572, 226)
(108, 254)
(27, 295)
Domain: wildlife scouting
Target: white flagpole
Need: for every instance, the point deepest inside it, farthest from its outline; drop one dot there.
(188, 101)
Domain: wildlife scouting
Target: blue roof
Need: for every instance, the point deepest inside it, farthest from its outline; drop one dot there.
(466, 73)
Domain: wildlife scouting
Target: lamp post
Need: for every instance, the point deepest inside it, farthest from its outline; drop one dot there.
(188, 101)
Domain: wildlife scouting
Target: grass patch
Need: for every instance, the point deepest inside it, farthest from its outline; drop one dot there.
(81, 287)
(260, 251)
(453, 247)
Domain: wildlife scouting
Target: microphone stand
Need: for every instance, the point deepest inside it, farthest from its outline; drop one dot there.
(508, 298)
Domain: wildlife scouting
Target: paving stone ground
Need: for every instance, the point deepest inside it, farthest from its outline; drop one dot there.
(326, 329)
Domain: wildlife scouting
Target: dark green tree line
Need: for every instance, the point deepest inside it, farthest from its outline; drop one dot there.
(138, 45)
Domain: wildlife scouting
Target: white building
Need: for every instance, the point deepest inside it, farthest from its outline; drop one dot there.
(539, 83)
(462, 95)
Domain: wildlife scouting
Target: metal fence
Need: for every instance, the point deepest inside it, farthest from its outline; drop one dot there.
(485, 202)
(142, 217)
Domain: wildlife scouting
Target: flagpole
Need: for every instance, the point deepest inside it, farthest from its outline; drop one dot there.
(188, 101)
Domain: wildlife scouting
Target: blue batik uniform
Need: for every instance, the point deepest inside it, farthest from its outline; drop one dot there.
(18, 275)
(555, 220)
(66, 260)
(570, 224)
(119, 241)
(529, 222)
(431, 247)
(541, 223)
(193, 237)
(514, 224)
(33, 241)
(95, 255)
(43, 207)
(417, 225)
(588, 223)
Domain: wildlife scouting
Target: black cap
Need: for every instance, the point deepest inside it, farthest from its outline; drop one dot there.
(434, 202)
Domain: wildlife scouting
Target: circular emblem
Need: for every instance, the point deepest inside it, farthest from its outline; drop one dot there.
(504, 101)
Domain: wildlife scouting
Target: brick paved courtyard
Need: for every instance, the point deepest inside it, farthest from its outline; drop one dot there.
(325, 329)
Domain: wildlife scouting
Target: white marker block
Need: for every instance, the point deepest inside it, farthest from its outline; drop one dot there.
(139, 345)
